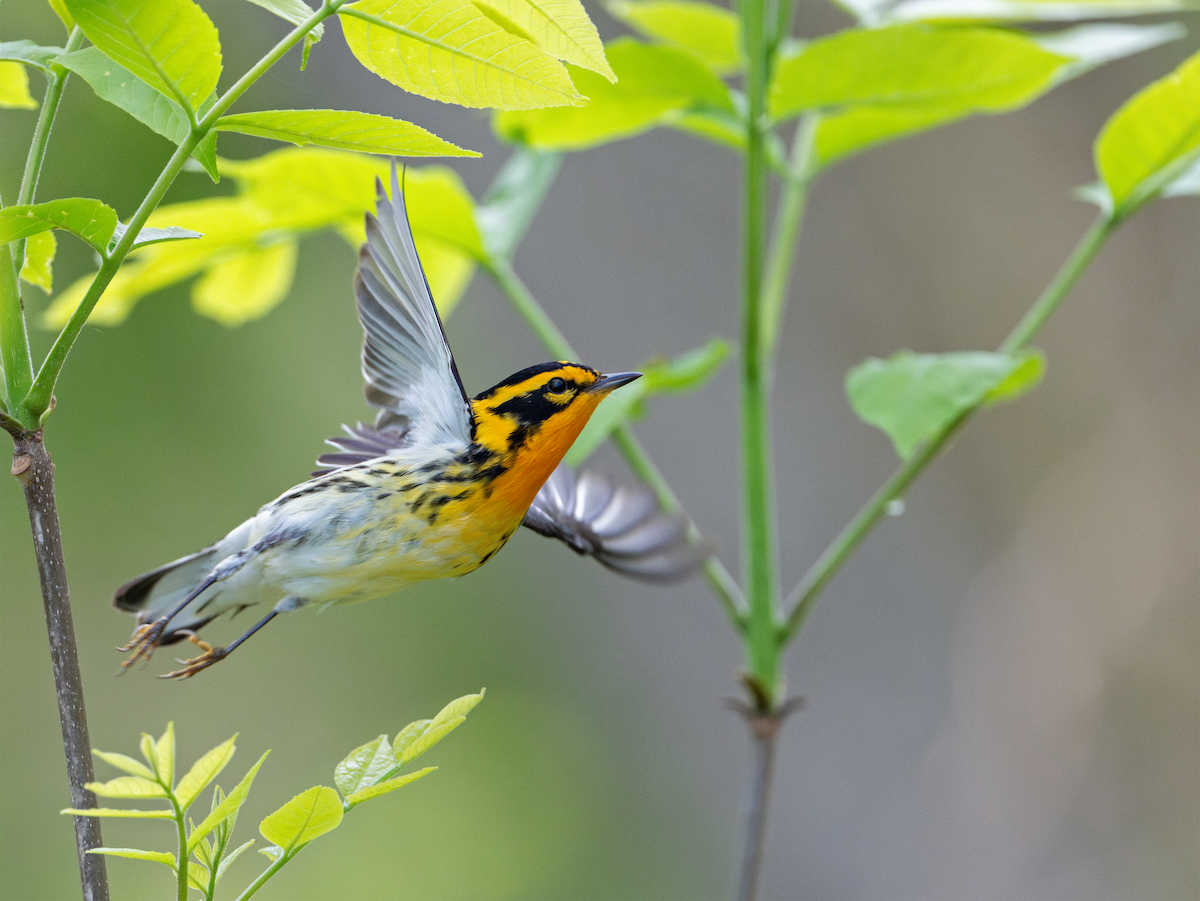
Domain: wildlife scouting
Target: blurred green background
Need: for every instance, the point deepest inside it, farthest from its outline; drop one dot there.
(1001, 688)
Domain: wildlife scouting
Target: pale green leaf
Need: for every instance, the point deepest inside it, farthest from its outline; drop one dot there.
(654, 85)
(1186, 185)
(912, 396)
(162, 857)
(383, 788)
(342, 130)
(132, 787)
(711, 32)
(307, 816)
(685, 372)
(364, 766)
(169, 44)
(561, 28)
(88, 219)
(149, 235)
(1015, 10)
(30, 54)
(203, 771)
(408, 735)
(228, 807)
(409, 747)
(296, 12)
(60, 10)
(1090, 46)
(457, 709)
(14, 86)
(1152, 139)
(1026, 375)
(117, 85)
(120, 812)
(128, 764)
(39, 260)
(248, 285)
(451, 51)
(162, 755)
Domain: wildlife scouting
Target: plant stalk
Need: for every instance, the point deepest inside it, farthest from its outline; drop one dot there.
(35, 470)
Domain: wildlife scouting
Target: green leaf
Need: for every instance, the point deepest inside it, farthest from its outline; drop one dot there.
(169, 44)
(296, 12)
(248, 285)
(1152, 139)
(560, 28)
(39, 259)
(161, 754)
(128, 787)
(128, 764)
(1012, 10)
(203, 771)
(685, 372)
(30, 54)
(913, 396)
(410, 746)
(711, 32)
(90, 220)
(60, 10)
(14, 86)
(162, 857)
(307, 816)
(382, 788)
(364, 766)
(228, 807)
(1186, 185)
(451, 51)
(150, 235)
(343, 130)
(656, 84)
(1090, 46)
(117, 85)
(408, 735)
(120, 812)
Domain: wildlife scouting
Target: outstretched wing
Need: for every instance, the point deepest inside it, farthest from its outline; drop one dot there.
(409, 370)
(621, 526)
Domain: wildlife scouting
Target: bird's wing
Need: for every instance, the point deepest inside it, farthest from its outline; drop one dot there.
(621, 526)
(407, 364)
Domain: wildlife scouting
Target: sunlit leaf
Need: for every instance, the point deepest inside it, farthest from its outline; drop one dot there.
(133, 787)
(248, 285)
(128, 764)
(88, 219)
(14, 86)
(411, 744)
(912, 396)
(343, 130)
(169, 44)
(162, 857)
(119, 812)
(60, 10)
(161, 755)
(307, 816)
(203, 771)
(1152, 139)
(654, 84)
(364, 766)
(711, 32)
(561, 28)
(451, 51)
(296, 12)
(117, 85)
(408, 735)
(39, 259)
(383, 788)
(232, 803)
(685, 372)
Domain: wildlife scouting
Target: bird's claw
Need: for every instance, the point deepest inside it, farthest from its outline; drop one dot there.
(142, 643)
(209, 655)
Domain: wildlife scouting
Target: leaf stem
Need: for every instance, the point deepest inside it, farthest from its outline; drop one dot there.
(805, 594)
(275, 867)
(181, 871)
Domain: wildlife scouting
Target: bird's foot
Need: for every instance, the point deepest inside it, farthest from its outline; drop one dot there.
(209, 655)
(142, 643)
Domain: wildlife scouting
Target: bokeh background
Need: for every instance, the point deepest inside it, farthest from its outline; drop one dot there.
(1001, 687)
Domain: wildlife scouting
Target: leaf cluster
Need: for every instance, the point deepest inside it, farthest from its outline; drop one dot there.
(204, 850)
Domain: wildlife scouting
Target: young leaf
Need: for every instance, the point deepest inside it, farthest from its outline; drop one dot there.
(128, 787)
(128, 764)
(911, 396)
(382, 788)
(296, 12)
(162, 857)
(169, 44)
(150, 235)
(230, 805)
(655, 83)
(161, 755)
(203, 771)
(39, 259)
(14, 86)
(1152, 139)
(711, 32)
(560, 28)
(364, 766)
(307, 816)
(408, 735)
(343, 130)
(248, 285)
(451, 51)
(88, 219)
(448, 719)
(119, 812)
(117, 85)
(30, 54)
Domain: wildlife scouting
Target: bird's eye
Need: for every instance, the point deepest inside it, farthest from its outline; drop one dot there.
(556, 385)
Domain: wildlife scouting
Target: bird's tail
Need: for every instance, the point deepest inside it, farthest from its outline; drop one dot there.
(152, 594)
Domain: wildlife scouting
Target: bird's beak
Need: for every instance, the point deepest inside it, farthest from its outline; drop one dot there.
(608, 383)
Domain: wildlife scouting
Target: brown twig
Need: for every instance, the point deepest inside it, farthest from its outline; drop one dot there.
(33, 467)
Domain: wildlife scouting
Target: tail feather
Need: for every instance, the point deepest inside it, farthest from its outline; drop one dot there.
(154, 593)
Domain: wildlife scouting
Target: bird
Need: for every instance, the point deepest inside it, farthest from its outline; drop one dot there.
(434, 488)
